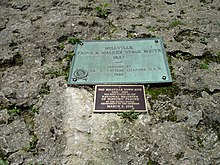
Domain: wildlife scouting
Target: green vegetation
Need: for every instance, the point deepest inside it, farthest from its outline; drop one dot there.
(169, 59)
(67, 74)
(129, 115)
(32, 145)
(205, 59)
(69, 56)
(151, 162)
(204, 66)
(35, 164)
(3, 162)
(28, 117)
(140, 16)
(14, 111)
(216, 127)
(170, 91)
(73, 40)
(102, 10)
(152, 29)
(204, 41)
(97, 38)
(63, 70)
(203, 1)
(179, 155)
(26, 113)
(45, 89)
(176, 23)
(61, 46)
(200, 142)
(218, 57)
(208, 57)
(22, 111)
(67, 69)
(179, 55)
(172, 117)
(17, 59)
(54, 73)
(34, 110)
(161, 20)
(130, 34)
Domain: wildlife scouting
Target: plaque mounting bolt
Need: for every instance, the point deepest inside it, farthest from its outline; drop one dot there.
(75, 79)
(156, 41)
(164, 77)
(81, 43)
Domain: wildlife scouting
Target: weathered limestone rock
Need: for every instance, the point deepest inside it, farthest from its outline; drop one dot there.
(179, 129)
(14, 137)
(85, 132)
(190, 76)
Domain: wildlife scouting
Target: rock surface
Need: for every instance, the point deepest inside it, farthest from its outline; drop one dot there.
(44, 122)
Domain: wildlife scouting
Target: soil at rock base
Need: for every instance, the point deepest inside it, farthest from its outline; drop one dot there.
(44, 122)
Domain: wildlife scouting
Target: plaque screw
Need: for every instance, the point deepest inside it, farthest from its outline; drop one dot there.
(164, 77)
(156, 41)
(81, 43)
(74, 79)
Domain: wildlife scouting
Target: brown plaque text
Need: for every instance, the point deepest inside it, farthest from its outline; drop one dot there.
(118, 98)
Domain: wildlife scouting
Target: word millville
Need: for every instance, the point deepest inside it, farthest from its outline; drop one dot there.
(118, 47)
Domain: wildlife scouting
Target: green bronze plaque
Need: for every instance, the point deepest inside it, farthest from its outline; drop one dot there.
(137, 61)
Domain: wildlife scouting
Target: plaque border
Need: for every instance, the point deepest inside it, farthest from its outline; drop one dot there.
(115, 111)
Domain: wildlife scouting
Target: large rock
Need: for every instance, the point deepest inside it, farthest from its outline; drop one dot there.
(182, 129)
(85, 131)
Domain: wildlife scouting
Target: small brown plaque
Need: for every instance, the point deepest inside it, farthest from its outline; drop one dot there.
(119, 98)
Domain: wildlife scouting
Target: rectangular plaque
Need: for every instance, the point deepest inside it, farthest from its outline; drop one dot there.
(119, 98)
(137, 61)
